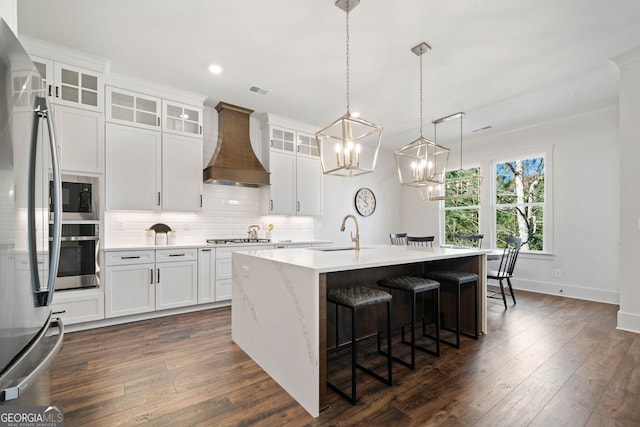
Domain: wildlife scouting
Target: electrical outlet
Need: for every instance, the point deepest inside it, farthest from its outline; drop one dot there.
(245, 271)
(557, 273)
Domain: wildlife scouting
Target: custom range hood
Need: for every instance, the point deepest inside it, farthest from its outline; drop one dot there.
(233, 161)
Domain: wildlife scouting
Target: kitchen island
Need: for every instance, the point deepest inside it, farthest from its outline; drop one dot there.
(279, 314)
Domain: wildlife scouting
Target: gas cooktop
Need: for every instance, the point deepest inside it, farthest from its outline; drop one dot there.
(237, 240)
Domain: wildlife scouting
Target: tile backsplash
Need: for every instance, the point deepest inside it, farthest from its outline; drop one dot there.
(227, 212)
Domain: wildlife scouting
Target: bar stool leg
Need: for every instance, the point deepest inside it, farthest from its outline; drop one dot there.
(389, 355)
(353, 357)
(413, 332)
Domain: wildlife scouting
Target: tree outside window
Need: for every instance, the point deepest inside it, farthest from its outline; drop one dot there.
(520, 202)
(462, 204)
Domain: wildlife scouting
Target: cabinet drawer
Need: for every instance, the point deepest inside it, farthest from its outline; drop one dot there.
(129, 257)
(79, 308)
(171, 255)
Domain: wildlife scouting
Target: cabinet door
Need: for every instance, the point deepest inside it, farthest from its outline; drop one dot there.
(45, 68)
(307, 145)
(129, 289)
(181, 119)
(133, 168)
(309, 186)
(177, 284)
(134, 109)
(181, 173)
(283, 139)
(80, 138)
(77, 87)
(206, 275)
(282, 191)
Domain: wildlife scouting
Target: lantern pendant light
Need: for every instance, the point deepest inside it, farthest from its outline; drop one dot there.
(466, 185)
(421, 163)
(349, 145)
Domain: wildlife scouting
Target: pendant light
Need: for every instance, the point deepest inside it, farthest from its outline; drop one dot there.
(466, 185)
(349, 145)
(421, 163)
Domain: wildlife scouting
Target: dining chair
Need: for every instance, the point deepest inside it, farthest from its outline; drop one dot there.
(468, 240)
(420, 241)
(505, 270)
(398, 239)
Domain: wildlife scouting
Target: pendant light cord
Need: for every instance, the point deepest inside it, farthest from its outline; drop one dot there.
(421, 52)
(347, 43)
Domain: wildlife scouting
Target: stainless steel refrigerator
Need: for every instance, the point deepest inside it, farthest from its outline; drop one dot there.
(29, 336)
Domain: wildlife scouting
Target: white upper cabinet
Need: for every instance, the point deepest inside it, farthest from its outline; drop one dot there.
(282, 140)
(282, 192)
(181, 173)
(133, 174)
(80, 139)
(296, 172)
(181, 119)
(134, 109)
(77, 87)
(152, 171)
(79, 130)
(72, 86)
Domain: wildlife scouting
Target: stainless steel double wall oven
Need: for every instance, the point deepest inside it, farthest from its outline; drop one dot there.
(80, 245)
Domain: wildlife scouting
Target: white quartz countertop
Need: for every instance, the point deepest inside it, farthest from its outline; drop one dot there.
(322, 261)
(204, 244)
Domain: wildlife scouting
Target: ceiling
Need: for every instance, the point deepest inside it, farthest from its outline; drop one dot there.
(506, 64)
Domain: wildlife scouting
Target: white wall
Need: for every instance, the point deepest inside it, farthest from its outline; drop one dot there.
(9, 12)
(586, 204)
(629, 313)
(339, 193)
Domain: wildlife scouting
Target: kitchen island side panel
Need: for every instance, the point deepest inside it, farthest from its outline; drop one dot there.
(275, 320)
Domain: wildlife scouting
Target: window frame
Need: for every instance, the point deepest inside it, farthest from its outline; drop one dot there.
(488, 205)
(444, 208)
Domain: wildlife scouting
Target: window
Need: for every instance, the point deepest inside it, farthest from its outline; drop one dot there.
(462, 204)
(520, 201)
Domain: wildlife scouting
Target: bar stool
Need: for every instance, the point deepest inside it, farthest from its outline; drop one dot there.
(355, 298)
(453, 280)
(415, 286)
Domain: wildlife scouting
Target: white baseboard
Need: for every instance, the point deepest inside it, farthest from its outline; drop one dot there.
(628, 322)
(143, 316)
(567, 290)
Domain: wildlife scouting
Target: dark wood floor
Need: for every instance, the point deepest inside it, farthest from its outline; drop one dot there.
(548, 361)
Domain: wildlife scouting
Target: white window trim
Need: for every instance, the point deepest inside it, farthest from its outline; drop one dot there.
(547, 224)
(487, 216)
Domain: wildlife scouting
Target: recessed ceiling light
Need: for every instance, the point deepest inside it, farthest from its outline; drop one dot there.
(215, 69)
(355, 114)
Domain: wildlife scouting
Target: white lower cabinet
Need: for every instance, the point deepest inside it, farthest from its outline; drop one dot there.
(206, 275)
(176, 278)
(140, 281)
(78, 305)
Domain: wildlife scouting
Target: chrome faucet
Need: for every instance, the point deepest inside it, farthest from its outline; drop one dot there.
(356, 239)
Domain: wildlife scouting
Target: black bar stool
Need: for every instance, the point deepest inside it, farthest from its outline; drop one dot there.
(415, 286)
(355, 298)
(453, 281)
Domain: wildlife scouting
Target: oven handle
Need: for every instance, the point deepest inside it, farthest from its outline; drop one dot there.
(77, 238)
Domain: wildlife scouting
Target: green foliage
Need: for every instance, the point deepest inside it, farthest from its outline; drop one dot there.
(520, 193)
(462, 187)
(520, 186)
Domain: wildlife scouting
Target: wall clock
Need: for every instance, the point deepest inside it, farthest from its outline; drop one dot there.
(365, 202)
